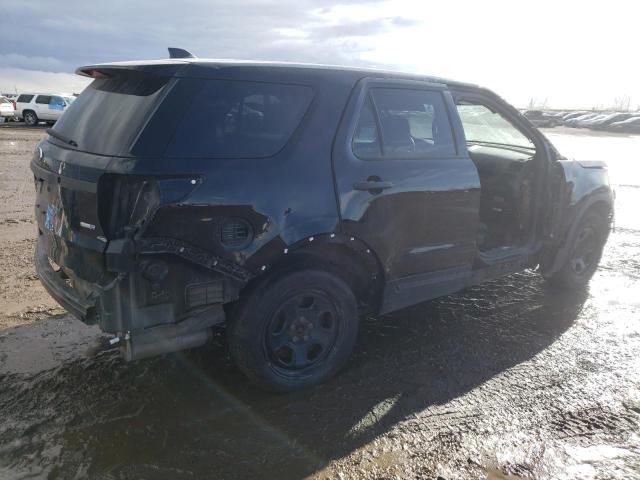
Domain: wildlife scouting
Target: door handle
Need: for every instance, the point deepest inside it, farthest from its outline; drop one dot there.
(372, 185)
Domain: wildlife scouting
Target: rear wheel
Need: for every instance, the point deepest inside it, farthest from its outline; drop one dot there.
(584, 253)
(30, 118)
(294, 331)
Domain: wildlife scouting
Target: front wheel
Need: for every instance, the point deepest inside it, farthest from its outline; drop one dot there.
(294, 331)
(585, 252)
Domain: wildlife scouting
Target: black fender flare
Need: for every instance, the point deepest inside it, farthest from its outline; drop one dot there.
(561, 255)
(350, 242)
(366, 274)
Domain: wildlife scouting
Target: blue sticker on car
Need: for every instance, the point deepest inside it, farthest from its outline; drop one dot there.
(51, 218)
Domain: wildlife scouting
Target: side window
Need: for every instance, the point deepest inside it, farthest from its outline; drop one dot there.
(56, 103)
(237, 119)
(412, 124)
(25, 98)
(43, 99)
(366, 142)
(482, 125)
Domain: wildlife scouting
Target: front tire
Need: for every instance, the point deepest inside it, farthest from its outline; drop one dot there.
(30, 118)
(585, 253)
(294, 331)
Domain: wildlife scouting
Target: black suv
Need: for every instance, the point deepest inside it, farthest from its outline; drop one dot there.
(287, 200)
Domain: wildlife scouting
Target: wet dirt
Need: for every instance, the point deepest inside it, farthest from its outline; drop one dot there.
(22, 298)
(503, 381)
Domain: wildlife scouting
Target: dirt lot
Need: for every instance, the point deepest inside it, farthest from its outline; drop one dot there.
(507, 380)
(22, 299)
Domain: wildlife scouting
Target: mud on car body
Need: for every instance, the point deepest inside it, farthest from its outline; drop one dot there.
(286, 200)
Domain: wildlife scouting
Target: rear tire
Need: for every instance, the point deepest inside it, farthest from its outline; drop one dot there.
(30, 118)
(295, 330)
(584, 253)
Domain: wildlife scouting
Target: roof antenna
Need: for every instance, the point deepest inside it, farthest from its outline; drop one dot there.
(179, 53)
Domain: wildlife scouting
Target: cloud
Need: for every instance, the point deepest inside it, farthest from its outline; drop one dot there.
(17, 80)
(574, 57)
(89, 32)
(30, 62)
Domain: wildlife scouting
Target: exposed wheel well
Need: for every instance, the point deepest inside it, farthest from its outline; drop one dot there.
(555, 258)
(602, 208)
(360, 269)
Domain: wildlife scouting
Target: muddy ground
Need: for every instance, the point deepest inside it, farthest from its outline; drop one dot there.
(506, 380)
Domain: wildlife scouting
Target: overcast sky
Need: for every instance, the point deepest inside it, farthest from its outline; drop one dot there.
(572, 53)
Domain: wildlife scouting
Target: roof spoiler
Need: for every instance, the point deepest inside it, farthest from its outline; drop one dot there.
(179, 53)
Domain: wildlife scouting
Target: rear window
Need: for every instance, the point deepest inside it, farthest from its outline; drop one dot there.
(25, 98)
(110, 113)
(237, 119)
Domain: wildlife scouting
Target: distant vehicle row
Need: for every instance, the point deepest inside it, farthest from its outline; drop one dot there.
(611, 121)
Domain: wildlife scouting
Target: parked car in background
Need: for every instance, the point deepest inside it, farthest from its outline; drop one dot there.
(572, 115)
(603, 123)
(630, 125)
(42, 107)
(593, 120)
(542, 119)
(577, 121)
(7, 109)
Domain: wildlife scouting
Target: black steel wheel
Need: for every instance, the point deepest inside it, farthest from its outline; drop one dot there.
(302, 332)
(294, 331)
(585, 252)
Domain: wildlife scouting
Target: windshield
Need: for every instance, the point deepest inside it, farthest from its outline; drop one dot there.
(69, 100)
(484, 126)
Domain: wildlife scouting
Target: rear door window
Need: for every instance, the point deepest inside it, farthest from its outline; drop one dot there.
(366, 141)
(43, 99)
(403, 123)
(56, 103)
(233, 119)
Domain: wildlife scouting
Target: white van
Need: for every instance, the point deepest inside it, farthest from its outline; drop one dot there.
(42, 107)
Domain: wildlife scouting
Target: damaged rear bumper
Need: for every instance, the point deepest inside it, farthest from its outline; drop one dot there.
(56, 285)
(145, 322)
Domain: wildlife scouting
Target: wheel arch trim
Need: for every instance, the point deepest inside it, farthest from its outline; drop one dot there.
(562, 254)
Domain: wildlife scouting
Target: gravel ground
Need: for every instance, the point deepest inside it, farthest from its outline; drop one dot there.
(503, 381)
(22, 298)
